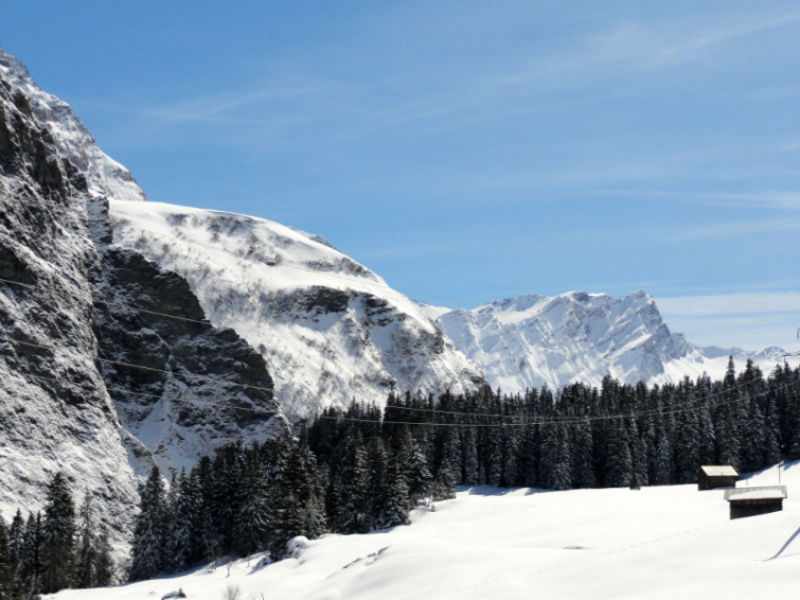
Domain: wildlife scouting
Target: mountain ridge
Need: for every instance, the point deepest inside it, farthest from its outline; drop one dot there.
(532, 340)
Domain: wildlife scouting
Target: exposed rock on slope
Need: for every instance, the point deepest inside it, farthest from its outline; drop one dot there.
(330, 329)
(204, 386)
(74, 315)
(54, 410)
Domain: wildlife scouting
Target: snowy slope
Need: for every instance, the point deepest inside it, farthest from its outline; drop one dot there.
(656, 543)
(531, 340)
(330, 329)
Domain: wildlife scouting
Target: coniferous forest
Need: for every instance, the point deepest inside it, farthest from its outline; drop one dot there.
(364, 468)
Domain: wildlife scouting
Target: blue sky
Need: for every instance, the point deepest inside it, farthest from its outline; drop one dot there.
(469, 151)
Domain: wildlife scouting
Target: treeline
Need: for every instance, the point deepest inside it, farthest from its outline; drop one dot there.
(617, 435)
(55, 550)
(255, 498)
(364, 468)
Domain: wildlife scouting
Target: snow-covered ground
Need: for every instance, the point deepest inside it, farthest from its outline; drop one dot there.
(660, 542)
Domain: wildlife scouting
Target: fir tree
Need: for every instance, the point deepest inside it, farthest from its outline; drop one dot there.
(86, 559)
(147, 551)
(444, 483)
(620, 464)
(28, 583)
(469, 453)
(15, 542)
(252, 521)
(186, 522)
(394, 499)
(104, 566)
(58, 540)
(5, 563)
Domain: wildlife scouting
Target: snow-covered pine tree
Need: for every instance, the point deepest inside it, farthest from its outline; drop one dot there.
(562, 463)
(444, 484)
(394, 498)
(58, 537)
(252, 522)
(5, 563)
(377, 466)
(186, 520)
(16, 533)
(354, 482)
(469, 453)
(510, 454)
(147, 551)
(28, 583)
(687, 441)
(104, 566)
(310, 492)
(86, 557)
(620, 464)
(663, 466)
(582, 460)
(772, 451)
(753, 435)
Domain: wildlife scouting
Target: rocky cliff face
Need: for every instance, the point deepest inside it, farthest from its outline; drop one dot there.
(531, 340)
(202, 386)
(76, 312)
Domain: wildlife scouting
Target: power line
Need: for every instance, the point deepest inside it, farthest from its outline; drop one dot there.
(147, 368)
(539, 421)
(549, 420)
(151, 394)
(576, 420)
(122, 305)
(566, 418)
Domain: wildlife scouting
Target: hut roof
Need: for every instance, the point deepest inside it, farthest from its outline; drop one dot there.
(767, 492)
(719, 471)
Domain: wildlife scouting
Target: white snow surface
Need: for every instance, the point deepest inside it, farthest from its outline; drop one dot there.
(656, 543)
(330, 329)
(532, 340)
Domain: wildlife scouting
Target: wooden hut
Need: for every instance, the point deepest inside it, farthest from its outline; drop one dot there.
(750, 501)
(716, 476)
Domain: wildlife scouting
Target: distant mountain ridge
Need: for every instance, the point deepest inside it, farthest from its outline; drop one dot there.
(532, 340)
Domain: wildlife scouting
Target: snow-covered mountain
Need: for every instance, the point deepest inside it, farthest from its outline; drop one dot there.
(330, 329)
(77, 312)
(164, 337)
(531, 340)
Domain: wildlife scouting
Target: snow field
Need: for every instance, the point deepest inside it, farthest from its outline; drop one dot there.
(658, 542)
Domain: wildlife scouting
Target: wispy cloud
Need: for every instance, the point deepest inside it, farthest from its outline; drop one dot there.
(732, 304)
(210, 108)
(781, 199)
(750, 320)
(631, 45)
(737, 228)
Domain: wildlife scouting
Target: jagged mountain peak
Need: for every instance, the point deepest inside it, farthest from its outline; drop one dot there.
(532, 340)
(106, 178)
